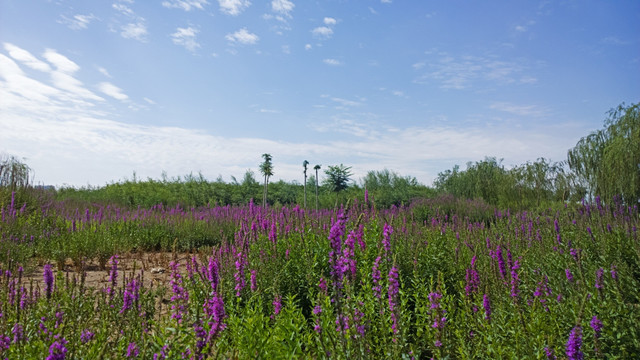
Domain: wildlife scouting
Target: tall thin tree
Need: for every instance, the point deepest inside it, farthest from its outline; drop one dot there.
(304, 164)
(266, 168)
(316, 168)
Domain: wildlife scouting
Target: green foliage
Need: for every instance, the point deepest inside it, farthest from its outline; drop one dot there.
(388, 188)
(14, 174)
(531, 185)
(434, 246)
(266, 168)
(338, 178)
(607, 161)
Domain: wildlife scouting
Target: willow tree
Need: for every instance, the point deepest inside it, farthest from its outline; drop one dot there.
(304, 165)
(266, 168)
(14, 174)
(607, 161)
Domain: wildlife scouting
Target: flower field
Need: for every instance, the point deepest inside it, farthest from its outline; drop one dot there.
(430, 280)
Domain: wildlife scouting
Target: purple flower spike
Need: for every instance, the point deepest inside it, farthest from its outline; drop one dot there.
(48, 280)
(596, 325)
(574, 344)
(569, 275)
(132, 350)
(277, 305)
(58, 350)
(86, 336)
(599, 273)
(486, 303)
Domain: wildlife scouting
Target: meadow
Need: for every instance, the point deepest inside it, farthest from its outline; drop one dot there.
(437, 278)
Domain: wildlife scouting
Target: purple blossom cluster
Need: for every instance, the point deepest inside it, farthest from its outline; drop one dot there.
(180, 297)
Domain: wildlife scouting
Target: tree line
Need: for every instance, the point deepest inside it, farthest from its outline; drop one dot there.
(605, 163)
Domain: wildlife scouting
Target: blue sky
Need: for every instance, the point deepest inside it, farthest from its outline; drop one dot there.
(91, 91)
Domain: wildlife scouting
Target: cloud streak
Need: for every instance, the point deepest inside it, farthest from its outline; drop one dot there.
(233, 7)
(186, 5)
(465, 72)
(186, 37)
(243, 36)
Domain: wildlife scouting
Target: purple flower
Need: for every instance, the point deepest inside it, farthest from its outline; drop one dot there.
(575, 253)
(214, 308)
(569, 275)
(438, 343)
(254, 283)
(596, 325)
(376, 277)
(239, 274)
(434, 299)
(277, 305)
(614, 273)
(201, 339)
(180, 296)
(131, 295)
(5, 343)
(335, 242)
(515, 291)
(212, 273)
(113, 275)
(549, 353)
(18, 334)
(48, 280)
(132, 350)
(386, 239)
(501, 265)
(486, 303)
(58, 350)
(322, 284)
(472, 278)
(317, 310)
(394, 287)
(86, 335)
(599, 273)
(574, 344)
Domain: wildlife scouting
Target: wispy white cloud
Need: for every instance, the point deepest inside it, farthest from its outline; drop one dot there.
(61, 62)
(26, 58)
(186, 37)
(78, 21)
(386, 1)
(186, 5)
(329, 21)
(283, 7)
(614, 40)
(332, 62)
(243, 36)
(521, 110)
(345, 102)
(233, 7)
(322, 32)
(135, 31)
(112, 90)
(103, 71)
(307, 46)
(464, 72)
(124, 10)
(149, 101)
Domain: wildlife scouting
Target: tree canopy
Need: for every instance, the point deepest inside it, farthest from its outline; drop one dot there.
(607, 161)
